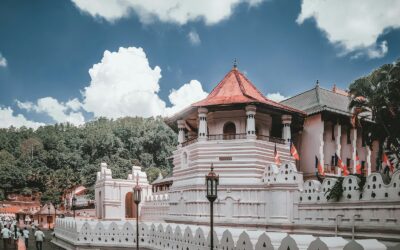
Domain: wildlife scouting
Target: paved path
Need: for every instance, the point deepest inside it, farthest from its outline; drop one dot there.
(47, 245)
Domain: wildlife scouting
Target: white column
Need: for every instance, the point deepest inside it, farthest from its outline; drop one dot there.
(202, 124)
(321, 146)
(338, 134)
(353, 137)
(286, 134)
(181, 131)
(251, 122)
(368, 159)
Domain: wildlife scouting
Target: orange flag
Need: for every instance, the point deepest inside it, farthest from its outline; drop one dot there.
(343, 167)
(277, 157)
(358, 165)
(385, 159)
(294, 152)
(319, 167)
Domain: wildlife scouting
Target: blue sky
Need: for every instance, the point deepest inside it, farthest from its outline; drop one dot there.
(48, 47)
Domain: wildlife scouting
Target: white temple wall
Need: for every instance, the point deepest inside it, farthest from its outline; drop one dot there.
(111, 193)
(311, 144)
(217, 120)
(346, 147)
(78, 234)
(317, 141)
(329, 144)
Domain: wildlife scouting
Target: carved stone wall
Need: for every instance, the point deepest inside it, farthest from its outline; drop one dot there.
(80, 234)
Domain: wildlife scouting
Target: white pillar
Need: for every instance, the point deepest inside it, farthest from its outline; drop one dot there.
(286, 134)
(353, 137)
(321, 146)
(251, 122)
(202, 124)
(368, 154)
(338, 134)
(181, 131)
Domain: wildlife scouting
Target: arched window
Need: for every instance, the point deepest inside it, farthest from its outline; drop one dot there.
(229, 131)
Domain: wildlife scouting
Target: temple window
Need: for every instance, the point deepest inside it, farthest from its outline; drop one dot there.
(229, 130)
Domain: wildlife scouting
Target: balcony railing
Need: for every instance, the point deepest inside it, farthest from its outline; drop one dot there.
(226, 137)
(190, 141)
(271, 139)
(218, 137)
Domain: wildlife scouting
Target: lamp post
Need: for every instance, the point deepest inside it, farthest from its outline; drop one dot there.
(48, 216)
(55, 214)
(212, 181)
(73, 204)
(137, 197)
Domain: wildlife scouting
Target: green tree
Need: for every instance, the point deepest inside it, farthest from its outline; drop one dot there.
(377, 97)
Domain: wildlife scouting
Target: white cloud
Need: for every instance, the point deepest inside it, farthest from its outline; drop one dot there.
(172, 11)
(277, 97)
(7, 119)
(60, 112)
(194, 37)
(354, 25)
(3, 61)
(185, 95)
(124, 84)
(74, 104)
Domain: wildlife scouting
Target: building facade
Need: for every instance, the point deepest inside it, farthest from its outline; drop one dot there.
(239, 131)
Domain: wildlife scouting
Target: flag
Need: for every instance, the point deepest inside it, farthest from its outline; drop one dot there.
(385, 159)
(293, 151)
(277, 157)
(343, 167)
(358, 165)
(319, 167)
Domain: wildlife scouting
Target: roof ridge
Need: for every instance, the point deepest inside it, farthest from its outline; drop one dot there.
(252, 85)
(298, 94)
(218, 86)
(242, 88)
(317, 95)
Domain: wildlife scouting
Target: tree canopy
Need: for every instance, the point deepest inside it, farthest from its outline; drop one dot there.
(377, 97)
(55, 158)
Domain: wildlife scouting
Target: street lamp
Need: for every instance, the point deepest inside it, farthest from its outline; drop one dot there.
(137, 197)
(73, 204)
(55, 214)
(48, 217)
(212, 181)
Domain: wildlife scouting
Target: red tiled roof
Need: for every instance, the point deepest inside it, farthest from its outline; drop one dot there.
(235, 88)
(10, 210)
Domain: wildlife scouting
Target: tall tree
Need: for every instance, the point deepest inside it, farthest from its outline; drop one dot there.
(377, 97)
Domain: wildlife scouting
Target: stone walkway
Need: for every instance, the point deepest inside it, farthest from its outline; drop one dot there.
(47, 245)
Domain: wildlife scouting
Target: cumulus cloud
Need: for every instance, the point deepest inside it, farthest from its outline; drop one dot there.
(185, 95)
(3, 61)
(60, 112)
(124, 84)
(7, 119)
(354, 25)
(194, 37)
(172, 11)
(277, 97)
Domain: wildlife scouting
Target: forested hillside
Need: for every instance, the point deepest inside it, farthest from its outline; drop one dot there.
(57, 157)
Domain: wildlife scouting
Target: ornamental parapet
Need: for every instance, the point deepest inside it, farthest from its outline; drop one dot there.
(73, 234)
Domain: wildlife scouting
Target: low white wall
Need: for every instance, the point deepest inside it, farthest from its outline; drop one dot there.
(79, 234)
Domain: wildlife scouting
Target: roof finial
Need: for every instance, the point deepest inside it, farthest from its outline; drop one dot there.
(317, 84)
(235, 64)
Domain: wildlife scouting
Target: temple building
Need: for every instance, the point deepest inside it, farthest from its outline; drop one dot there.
(240, 132)
(327, 131)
